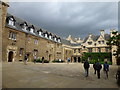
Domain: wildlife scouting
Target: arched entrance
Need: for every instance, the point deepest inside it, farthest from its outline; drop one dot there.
(50, 57)
(75, 60)
(10, 56)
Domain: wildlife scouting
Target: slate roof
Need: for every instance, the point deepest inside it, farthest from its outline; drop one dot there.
(18, 27)
(95, 38)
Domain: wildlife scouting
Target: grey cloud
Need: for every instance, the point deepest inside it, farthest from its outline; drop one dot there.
(64, 18)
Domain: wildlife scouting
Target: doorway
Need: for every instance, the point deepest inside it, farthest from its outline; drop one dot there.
(79, 59)
(50, 56)
(75, 59)
(10, 56)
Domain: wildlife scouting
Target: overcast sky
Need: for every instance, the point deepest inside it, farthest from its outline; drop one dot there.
(64, 18)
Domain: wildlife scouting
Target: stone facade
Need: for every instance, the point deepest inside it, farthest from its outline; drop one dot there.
(20, 38)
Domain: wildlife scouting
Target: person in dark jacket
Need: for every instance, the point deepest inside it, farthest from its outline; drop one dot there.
(98, 68)
(42, 60)
(25, 59)
(94, 68)
(86, 67)
(106, 68)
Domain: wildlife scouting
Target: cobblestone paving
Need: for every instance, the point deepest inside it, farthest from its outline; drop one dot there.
(54, 75)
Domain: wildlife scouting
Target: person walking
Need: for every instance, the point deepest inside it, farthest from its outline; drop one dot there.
(35, 59)
(94, 68)
(86, 67)
(106, 68)
(98, 68)
(25, 59)
(68, 60)
(42, 60)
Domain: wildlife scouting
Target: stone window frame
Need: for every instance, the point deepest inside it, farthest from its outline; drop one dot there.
(89, 43)
(103, 41)
(90, 49)
(35, 41)
(99, 42)
(99, 49)
(21, 51)
(78, 50)
(12, 35)
(106, 49)
(75, 50)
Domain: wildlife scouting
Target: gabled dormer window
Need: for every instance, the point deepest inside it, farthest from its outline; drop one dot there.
(55, 38)
(24, 26)
(31, 30)
(11, 21)
(59, 40)
(40, 33)
(46, 35)
(50, 37)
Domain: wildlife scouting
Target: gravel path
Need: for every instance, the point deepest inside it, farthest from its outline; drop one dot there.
(54, 75)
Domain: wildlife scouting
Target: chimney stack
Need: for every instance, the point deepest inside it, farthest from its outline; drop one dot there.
(102, 32)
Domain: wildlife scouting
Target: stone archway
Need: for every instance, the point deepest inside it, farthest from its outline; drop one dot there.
(50, 57)
(10, 56)
(75, 59)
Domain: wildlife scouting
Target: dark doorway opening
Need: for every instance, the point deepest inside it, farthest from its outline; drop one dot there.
(79, 59)
(75, 59)
(10, 56)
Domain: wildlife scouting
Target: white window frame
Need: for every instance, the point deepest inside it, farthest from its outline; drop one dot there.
(11, 22)
(24, 27)
(55, 39)
(46, 35)
(31, 30)
(58, 40)
(40, 33)
(50, 37)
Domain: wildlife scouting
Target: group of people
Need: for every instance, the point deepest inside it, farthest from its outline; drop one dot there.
(97, 68)
(35, 58)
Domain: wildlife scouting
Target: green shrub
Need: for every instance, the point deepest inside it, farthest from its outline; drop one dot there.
(40, 61)
(101, 62)
(92, 61)
(46, 61)
(57, 61)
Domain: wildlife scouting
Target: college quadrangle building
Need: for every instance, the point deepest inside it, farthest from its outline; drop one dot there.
(20, 38)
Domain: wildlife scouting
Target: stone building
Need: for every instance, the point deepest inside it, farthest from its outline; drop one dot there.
(20, 38)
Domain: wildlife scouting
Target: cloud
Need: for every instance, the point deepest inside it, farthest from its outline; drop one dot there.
(64, 18)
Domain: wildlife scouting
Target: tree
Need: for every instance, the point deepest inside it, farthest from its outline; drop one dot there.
(115, 41)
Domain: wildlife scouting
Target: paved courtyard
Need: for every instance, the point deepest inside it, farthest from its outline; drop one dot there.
(54, 75)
